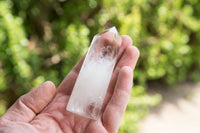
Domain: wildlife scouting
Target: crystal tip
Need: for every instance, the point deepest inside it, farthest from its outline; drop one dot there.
(114, 30)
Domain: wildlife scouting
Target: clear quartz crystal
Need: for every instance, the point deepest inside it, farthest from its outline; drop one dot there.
(92, 83)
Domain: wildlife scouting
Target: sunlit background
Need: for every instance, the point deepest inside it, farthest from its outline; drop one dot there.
(43, 39)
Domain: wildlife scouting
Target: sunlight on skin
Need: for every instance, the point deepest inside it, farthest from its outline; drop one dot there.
(44, 108)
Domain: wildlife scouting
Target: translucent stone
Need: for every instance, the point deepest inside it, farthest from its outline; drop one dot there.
(92, 83)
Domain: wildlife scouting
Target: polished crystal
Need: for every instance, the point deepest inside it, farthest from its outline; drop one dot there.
(92, 83)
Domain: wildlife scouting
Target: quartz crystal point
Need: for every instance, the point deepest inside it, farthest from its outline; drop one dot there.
(92, 83)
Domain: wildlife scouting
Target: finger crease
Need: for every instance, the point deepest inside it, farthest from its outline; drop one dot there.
(26, 106)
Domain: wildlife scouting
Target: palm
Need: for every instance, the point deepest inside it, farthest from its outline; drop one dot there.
(54, 117)
(67, 121)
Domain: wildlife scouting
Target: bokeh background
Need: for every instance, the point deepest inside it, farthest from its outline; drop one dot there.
(43, 39)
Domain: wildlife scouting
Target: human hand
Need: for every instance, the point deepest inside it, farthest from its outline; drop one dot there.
(44, 109)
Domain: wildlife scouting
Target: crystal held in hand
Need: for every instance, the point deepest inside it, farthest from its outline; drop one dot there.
(92, 83)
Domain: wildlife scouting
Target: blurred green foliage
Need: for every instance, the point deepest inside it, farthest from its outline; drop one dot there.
(42, 40)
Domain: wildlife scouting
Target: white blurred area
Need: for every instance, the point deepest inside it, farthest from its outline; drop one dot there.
(179, 111)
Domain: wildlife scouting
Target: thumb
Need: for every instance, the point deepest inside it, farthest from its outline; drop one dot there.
(28, 105)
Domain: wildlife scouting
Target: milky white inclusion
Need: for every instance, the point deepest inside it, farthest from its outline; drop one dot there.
(92, 83)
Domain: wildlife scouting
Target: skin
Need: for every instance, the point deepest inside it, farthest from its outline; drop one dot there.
(43, 110)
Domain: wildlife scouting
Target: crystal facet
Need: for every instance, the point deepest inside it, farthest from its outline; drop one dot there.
(92, 83)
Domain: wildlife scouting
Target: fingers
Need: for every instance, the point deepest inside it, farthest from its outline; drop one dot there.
(129, 58)
(28, 105)
(117, 105)
(121, 84)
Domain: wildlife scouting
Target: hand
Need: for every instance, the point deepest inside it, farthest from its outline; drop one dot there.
(44, 108)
